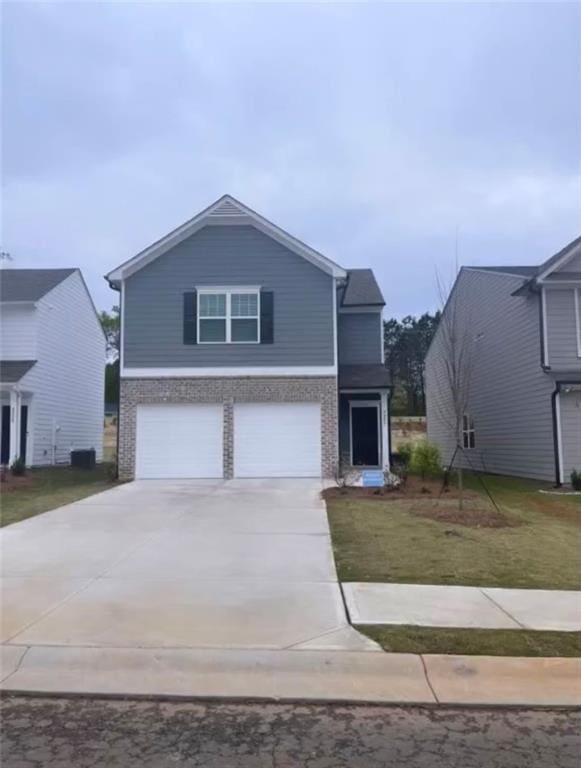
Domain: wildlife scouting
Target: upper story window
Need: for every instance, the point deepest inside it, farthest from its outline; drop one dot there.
(468, 434)
(229, 316)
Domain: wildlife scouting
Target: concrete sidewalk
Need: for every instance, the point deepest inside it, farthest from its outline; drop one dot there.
(463, 607)
(292, 675)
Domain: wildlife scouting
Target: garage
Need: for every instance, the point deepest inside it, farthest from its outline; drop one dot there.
(277, 440)
(179, 441)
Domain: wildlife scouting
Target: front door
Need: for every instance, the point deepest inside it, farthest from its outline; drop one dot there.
(364, 435)
(5, 440)
(5, 457)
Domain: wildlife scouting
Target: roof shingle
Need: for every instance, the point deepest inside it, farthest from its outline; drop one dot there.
(30, 284)
(12, 371)
(364, 376)
(361, 289)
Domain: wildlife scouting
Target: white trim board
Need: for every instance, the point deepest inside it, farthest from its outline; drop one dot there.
(224, 372)
(566, 257)
(578, 320)
(238, 213)
(560, 439)
(544, 328)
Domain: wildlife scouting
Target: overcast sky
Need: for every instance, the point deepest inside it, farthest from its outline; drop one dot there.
(372, 132)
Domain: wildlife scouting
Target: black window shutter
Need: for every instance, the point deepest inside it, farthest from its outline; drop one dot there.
(266, 317)
(190, 318)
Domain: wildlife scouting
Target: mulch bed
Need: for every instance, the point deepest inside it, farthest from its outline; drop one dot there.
(10, 482)
(431, 502)
(473, 516)
(413, 488)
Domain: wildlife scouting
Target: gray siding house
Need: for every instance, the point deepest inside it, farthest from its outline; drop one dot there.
(518, 331)
(246, 353)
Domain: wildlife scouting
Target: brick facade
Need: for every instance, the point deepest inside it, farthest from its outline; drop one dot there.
(228, 391)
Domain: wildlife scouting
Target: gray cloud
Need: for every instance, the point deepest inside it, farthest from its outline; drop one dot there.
(370, 131)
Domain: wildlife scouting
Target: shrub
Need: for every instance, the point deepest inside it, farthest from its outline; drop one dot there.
(576, 480)
(405, 453)
(425, 460)
(18, 467)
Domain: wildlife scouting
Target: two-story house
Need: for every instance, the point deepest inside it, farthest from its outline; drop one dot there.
(516, 333)
(52, 366)
(246, 353)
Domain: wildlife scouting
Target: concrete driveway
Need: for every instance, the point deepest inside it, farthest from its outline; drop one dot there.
(245, 564)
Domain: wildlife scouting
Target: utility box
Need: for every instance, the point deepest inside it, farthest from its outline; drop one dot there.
(83, 459)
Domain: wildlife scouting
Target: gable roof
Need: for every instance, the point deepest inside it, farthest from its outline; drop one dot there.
(12, 371)
(560, 258)
(30, 284)
(226, 210)
(361, 289)
(516, 271)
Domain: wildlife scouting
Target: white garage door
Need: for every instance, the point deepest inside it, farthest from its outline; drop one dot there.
(178, 441)
(277, 440)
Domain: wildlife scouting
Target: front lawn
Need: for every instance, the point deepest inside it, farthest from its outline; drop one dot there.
(49, 487)
(535, 541)
(480, 642)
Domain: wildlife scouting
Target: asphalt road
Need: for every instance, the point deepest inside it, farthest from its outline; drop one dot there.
(83, 733)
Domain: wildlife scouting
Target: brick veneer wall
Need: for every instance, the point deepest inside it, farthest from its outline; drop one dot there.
(228, 391)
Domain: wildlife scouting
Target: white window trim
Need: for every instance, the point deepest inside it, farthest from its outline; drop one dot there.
(468, 432)
(578, 320)
(228, 316)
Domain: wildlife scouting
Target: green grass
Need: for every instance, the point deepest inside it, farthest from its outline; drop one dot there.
(52, 487)
(481, 642)
(384, 541)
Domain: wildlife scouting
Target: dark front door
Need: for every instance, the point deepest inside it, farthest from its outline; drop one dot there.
(5, 453)
(23, 430)
(365, 436)
(5, 441)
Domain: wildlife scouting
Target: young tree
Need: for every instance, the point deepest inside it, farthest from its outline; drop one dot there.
(111, 327)
(455, 352)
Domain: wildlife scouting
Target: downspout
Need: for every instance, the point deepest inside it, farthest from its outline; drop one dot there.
(389, 394)
(117, 437)
(556, 447)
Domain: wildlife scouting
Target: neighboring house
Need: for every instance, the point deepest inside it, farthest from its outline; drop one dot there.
(522, 328)
(52, 363)
(246, 353)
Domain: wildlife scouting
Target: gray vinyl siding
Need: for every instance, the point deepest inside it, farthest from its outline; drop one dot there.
(561, 329)
(570, 403)
(359, 338)
(510, 395)
(229, 256)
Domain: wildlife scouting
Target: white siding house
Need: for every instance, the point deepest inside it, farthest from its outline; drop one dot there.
(52, 363)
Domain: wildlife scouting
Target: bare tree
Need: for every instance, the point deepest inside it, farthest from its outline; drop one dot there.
(455, 364)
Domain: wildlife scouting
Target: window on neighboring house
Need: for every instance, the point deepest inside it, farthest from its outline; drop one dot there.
(468, 435)
(230, 316)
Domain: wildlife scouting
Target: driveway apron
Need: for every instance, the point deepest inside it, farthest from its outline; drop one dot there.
(241, 564)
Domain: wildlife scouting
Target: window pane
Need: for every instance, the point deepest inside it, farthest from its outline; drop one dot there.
(212, 330)
(465, 440)
(212, 305)
(472, 440)
(244, 330)
(465, 422)
(244, 305)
